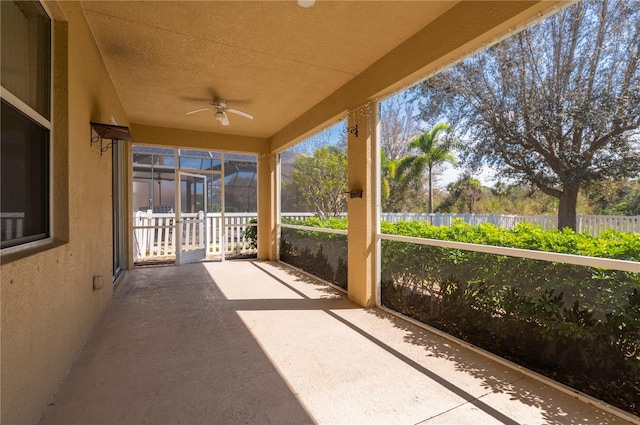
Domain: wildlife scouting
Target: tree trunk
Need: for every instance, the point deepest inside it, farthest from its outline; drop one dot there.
(430, 190)
(567, 207)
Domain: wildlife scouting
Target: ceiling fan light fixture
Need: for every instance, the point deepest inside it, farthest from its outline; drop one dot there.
(306, 3)
(220, 106)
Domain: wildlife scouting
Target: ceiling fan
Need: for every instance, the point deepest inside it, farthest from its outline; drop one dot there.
(220, 106)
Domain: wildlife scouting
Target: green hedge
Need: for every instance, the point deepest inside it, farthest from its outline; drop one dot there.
(579, 325)
(321, 254)
(610, 244)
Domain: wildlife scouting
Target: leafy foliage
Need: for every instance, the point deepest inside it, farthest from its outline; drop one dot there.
(556, 105)
(321, 180)
(251, 233)
(610, 243)
(615, 197)
(336, 223)
(321, 254)
(401, 184)
(464, 195)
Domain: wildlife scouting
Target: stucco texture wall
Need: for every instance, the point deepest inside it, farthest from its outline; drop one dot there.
(49, 306)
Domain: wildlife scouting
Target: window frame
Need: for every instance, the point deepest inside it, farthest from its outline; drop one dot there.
(47, 124)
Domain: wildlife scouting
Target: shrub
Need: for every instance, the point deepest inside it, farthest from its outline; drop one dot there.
(251, 233)
(578, 324)
(321, 254)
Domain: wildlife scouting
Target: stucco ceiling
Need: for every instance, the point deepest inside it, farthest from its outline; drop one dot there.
(272, 59)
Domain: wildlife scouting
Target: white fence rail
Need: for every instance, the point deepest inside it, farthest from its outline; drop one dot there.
(591, 224)
(11, 225)
(154, 233)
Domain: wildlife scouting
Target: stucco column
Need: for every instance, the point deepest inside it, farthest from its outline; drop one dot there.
(363, 172)
(267, 206)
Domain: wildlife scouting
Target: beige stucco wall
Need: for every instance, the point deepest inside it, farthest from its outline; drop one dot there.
(48, 303)
(175, 137)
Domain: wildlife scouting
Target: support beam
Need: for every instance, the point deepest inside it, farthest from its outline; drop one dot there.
(267, 206)
(192, 139)
(363, 171)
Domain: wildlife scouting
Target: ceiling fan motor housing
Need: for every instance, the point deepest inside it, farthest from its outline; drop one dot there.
(220, 104)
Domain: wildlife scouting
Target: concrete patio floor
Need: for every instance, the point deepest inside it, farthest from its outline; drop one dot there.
(248, 342)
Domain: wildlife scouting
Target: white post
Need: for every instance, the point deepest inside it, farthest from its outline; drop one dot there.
(578, 223)
(165, 230)
(186, 243)
(207, 234)
(201, 234)
(137, 235)
(145, 234)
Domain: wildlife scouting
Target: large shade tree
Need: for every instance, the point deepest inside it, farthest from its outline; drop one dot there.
(556, 105)
(398, 124)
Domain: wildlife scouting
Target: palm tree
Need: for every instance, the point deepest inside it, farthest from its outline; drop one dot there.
(399, 176)
(433, 148)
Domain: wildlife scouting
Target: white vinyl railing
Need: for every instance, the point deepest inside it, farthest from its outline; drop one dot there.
(500, 220)
(590, 224)
(11, 225)
(154, 232)
(594, 224)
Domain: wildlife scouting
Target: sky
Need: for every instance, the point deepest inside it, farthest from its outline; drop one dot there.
(451, 174)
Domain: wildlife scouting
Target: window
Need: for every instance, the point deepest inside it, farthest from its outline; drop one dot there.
(25, 123)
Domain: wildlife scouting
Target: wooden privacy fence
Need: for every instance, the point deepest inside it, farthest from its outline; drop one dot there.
(154, 233)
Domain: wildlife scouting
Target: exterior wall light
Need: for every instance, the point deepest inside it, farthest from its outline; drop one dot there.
(115, 133)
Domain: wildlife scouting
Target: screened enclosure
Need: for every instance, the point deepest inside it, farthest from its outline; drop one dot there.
(210, 197)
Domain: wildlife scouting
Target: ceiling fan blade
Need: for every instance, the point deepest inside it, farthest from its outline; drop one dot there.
(244, 114)
(225, 119)
(199, 110)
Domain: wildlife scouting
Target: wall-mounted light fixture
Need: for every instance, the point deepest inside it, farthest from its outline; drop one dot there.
(115, 133)
(356, 193)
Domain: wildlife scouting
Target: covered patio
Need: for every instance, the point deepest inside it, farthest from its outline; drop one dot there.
(260, 342)
(237, 341)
